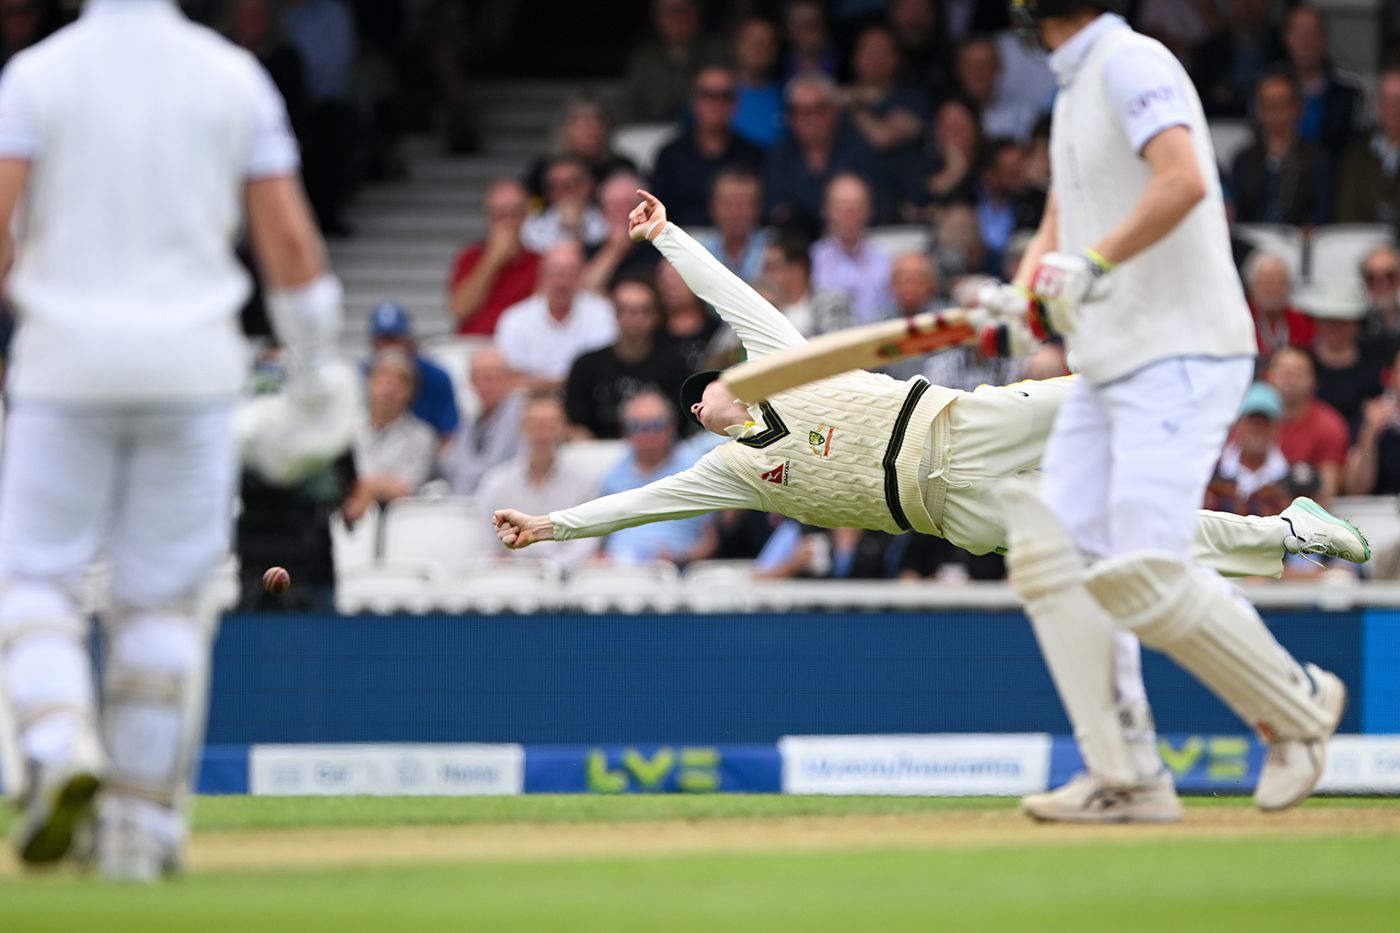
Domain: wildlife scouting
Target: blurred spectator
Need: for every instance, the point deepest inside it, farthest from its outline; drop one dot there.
(618, 256)
(888, 114)
(965, 367)
(686, 166)
(964, 18)
(736, 203)
(688, 324)
(434, 401)
(1180, 25)
(1279, 178)
(1380, 273)
(649, 425)
(1005, 203)
(979, 73)
(659, 73)
(1038, 157)
(845, 260)
(1345, 377)
(1373, 466)
(958, 246)
(543, 335)
(600, 381)
(1252, 476)
(491, 436)
(254, 25)
(950, 160)
(569, 212)
(787, 275)
(1369, 190)
(324, 34)
(758, 109)
(289, 526)
(584, 131)
(492, 275)
(913, 290)
(1230, 62)
(1332, 102)
(923, 47)
(809, 41)
(819, 146)
(1268, 284)
(394, 450)
(539, 480)
(1311, 431)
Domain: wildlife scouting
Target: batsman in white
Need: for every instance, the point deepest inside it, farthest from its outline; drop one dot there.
(1132, 267)
(131, 143)
(867, 451)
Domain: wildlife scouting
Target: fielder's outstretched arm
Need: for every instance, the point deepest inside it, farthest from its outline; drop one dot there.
(706, 487)
(762, 328)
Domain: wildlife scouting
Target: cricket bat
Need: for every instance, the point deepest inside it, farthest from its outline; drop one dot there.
(869, 346)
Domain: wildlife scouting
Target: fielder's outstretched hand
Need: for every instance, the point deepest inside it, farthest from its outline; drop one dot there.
(517, 529)
(647, 219)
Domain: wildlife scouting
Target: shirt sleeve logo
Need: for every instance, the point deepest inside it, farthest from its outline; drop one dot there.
(820, 440)
(778, 476)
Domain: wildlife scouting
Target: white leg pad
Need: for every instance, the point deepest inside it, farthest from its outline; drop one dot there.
(1076, 635)
(1213, 633)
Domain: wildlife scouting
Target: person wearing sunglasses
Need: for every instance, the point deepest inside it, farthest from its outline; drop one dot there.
(1380, 274)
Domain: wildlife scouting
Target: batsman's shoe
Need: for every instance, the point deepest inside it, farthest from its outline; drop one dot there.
(1316, 532)
(1085, 800)
(127, 852)
(58, 801)
(1294, 766)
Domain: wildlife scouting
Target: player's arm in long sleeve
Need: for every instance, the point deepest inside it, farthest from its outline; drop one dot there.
(762, 328)
(709, 486)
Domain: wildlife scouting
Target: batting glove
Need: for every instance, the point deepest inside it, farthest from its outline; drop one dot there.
(1062, 282)
(1006, 301)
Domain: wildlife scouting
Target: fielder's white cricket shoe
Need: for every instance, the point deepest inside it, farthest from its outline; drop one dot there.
(1294, 766)
(1085, 800)
(127, 851)
(1317, 532)
(58, 800)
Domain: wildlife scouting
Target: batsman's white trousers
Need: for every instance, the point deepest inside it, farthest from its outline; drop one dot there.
(1002, 431)
(1128, 462)
(151, 488)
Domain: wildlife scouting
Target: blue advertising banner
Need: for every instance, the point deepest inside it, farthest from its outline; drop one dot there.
(691, 769)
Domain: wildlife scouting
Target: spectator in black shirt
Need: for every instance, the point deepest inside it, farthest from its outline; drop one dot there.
(923, 47)
(253, 26)
(1229, 63)
(1280, 178)
(600, 381)
(1346, 378)
(1380, 273)
(686, 166)
(1332, 102)
(689, 325)
(1373, 466)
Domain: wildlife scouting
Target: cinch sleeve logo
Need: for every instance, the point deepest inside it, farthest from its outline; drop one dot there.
(1158, 95)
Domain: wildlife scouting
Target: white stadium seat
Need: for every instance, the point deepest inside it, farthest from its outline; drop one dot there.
(640, 142)
(898, 240)
(625, 588)
(591, 460)
(442, 532)
(454, 354)
(353, 548)
(520, 585)
(1337, 250)
(387, 588)
(1230, 138)
(1282, 241)
(719, 586)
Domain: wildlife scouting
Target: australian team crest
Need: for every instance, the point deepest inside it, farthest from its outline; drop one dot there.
(819, 440)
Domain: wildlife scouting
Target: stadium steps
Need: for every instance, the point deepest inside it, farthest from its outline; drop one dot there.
(408, 232)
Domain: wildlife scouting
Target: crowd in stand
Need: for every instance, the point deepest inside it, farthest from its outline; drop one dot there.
(796, 135)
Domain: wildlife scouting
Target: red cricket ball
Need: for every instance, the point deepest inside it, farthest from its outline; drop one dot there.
(277, 580)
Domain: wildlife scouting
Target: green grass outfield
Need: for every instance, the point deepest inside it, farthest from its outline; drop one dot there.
(1258, 875)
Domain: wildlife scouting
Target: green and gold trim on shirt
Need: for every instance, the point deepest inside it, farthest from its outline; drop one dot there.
(773, 431)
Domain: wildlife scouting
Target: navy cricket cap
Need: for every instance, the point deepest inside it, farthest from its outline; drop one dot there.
(694, 387)
(390, 320)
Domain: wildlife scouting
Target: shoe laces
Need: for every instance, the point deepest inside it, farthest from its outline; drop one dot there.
(1308, 550)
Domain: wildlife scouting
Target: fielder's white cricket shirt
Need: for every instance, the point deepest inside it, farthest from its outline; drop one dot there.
(1182, 296)
(140, 129)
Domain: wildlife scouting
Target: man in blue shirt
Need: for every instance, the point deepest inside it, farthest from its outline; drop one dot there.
(436, 401)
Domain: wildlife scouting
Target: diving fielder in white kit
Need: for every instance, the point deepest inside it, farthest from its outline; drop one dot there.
(130, 144)
(864, 450)
(1132, 267)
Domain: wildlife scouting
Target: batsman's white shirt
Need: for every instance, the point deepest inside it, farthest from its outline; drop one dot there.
(818, 453)
(1181, 297)
(141, 130)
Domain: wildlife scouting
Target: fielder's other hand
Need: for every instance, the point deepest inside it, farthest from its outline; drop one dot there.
(1062, 282)
(647, 219)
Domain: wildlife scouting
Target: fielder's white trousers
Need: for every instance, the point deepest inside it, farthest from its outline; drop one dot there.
(1128, 462)
(149, 488)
